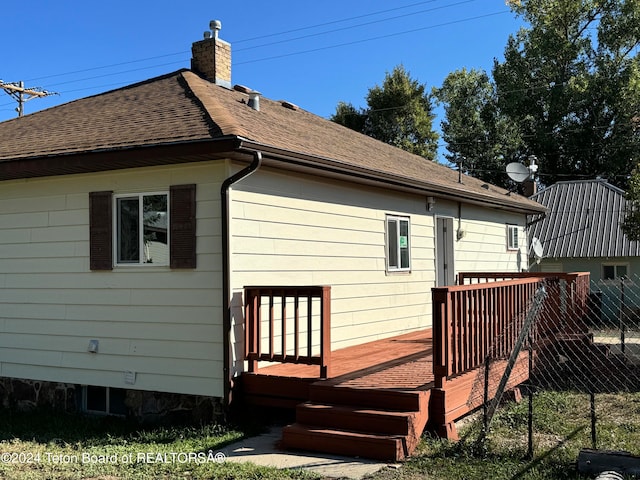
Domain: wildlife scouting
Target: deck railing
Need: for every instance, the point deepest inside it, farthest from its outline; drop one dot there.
(288, 325)
(483, 315)
(568, 294)
(471, 322)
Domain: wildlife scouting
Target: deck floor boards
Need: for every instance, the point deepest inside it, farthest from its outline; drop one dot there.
(401, 362)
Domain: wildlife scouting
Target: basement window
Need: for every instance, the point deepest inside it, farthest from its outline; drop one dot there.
(398, 244)
(103, 400)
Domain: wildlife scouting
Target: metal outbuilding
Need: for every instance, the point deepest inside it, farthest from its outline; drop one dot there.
(584, 220)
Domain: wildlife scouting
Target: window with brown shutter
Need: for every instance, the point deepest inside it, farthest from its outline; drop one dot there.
(100, 225)
(183, 226)
(143, 233)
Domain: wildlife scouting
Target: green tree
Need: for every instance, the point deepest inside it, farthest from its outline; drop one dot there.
(480, 140)
(570, 82)
(349, 116)
(399, 112)
(631, 223)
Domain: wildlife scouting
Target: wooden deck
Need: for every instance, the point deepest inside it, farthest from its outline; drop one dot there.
(378, 401)
(375, 399)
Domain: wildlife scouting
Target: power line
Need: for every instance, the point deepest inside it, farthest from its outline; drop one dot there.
(265, 58)
(379, 12)
(379, 37)
(108, 66)
(333, 22)
(387, 19)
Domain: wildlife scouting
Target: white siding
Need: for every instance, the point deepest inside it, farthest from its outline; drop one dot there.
(292, 229)
(483, 248)
(164, 325)
(308, 231)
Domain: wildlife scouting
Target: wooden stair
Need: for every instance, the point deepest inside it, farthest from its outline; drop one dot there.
(366, 422)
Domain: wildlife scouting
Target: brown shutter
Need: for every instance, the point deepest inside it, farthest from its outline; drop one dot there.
(100, 226)
(182, 217)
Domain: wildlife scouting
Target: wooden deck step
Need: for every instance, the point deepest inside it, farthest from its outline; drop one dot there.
(274, 391)
(370, 423)
(342, 442)
(355, 419)
(384, 399)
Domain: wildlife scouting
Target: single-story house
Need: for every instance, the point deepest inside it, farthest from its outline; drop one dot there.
(131, 221)
(582, 232)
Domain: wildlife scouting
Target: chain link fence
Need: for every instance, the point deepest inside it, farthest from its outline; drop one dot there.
(583, 386)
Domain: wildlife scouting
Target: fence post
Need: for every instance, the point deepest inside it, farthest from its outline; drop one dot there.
(621, 315)
(592, 401)
(530, 409)
(485, 404)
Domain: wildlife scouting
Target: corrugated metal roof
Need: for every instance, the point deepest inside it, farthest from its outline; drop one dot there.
(583, 221)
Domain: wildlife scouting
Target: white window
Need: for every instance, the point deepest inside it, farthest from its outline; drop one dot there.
(512, 237)
(615, 271)
(398, 244)
(141, 233)
(104, 400)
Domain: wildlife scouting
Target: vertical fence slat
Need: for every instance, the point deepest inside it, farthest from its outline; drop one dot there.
(271, 320)
(296, 328)
(309, 327)
(283, 312)
(457, 335)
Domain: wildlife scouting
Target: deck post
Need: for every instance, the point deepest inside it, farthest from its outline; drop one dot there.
(252, 309)
(441, 335)
(438, 423)
(325, 336)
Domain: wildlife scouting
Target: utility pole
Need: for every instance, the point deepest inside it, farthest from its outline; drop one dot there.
(22, 95)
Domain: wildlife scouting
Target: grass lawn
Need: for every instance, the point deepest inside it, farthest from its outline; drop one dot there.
(54, 446)
(562, 426)
(39, 445)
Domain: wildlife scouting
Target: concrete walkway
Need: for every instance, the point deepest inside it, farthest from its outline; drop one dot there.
(263, 450)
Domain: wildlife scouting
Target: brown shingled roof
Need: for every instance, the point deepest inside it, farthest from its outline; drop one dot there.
(182, 108)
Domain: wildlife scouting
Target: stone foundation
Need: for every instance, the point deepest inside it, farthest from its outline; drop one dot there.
(143, 406)
(29, 394)
(168, 408)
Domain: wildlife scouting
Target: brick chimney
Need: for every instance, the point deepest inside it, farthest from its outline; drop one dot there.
(211, 57)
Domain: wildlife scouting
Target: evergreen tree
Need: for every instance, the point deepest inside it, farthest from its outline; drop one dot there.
(399, 112)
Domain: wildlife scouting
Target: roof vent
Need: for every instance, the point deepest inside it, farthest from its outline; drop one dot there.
(254, 100)
(215, 26)
(241, 88)
(289, 105)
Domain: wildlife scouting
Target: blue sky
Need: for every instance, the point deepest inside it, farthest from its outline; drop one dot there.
(314, 54)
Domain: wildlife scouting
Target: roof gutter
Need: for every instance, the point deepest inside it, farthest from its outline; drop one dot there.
(226, 270)
(402, 183)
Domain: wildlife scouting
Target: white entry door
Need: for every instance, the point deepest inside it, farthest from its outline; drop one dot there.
(445, 267)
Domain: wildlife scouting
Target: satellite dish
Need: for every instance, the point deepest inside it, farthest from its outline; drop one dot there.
(537, 249)
(518, 172)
